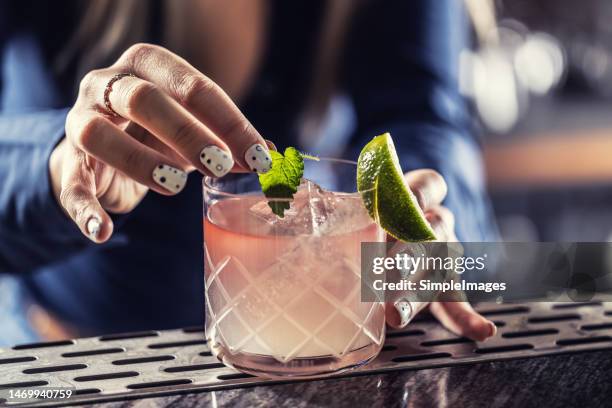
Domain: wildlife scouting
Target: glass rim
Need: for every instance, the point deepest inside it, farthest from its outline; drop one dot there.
(206, 182)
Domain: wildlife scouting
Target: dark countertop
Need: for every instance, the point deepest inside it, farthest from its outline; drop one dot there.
(569, 380)
(545, 354)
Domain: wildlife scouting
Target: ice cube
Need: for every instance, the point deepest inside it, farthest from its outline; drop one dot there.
(292, 223)
(314, 211)
(348, 215)
(335, 213)
(263, 212)
(315, 206)
(298, 219)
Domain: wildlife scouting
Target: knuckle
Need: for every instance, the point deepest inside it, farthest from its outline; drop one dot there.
(239, 127)
(192, 88)
(138, 52)
(435, 178)
(70, 120)
(431, 173)
(89, 131)
(186, 133)
(133, 159)
(428, 186)
(138, 95)
(88, 82)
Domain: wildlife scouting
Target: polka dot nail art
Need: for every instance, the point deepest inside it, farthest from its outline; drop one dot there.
(170, 178)
(93, 227)
(217, 160)
(404, 309)
(258, 158)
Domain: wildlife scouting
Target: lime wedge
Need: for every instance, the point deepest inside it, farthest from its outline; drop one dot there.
(388, 199)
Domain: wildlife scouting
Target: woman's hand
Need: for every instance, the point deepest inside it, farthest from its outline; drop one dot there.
(429, 188)
(155, 125)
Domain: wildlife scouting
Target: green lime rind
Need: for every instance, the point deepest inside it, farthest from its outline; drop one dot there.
(385, 195)
(283, 179)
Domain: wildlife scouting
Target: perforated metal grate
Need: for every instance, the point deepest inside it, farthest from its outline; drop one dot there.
(162, 362)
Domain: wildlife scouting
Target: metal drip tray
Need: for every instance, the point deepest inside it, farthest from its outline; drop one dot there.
(165, 362)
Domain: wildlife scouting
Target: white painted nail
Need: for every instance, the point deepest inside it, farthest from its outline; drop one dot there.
(404, 309)
(258, 158)
(170, 178)
(93, 227)
(217, 160)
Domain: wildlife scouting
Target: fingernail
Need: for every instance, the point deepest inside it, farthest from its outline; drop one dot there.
(271, 145)
(93, 227)
(258, 158)
(404, 309)
(170, 178)
(492, 329)
(217, 160)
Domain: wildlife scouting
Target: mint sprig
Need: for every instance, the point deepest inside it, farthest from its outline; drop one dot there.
(283, 179)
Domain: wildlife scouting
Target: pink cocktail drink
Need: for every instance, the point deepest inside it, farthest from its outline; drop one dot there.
(283, 295)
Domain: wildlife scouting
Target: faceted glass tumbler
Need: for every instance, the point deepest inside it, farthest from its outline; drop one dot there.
(283, 294)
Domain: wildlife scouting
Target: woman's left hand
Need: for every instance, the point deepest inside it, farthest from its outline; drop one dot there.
(430, 189)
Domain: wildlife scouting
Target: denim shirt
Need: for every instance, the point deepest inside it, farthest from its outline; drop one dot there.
(399, 72)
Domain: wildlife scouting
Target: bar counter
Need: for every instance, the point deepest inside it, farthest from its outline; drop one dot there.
(577, 380)
(544, 354)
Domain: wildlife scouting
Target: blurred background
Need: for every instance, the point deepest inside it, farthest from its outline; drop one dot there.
(539, 76)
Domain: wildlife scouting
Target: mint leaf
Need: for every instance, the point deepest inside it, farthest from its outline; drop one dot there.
(283, 179)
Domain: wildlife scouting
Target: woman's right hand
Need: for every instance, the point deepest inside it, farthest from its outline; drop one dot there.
(170, 120)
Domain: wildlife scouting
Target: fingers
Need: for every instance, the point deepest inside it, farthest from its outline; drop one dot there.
(204, 99)
(463, 320)
(144, 103)
(100, 138)
(430, 190)
(428, 186)
(78, 197)
(145, 137)
(442, 221)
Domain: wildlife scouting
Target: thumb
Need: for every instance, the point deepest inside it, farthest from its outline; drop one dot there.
(78, 198)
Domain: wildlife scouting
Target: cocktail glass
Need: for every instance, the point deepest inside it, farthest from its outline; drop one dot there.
(283, 294)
